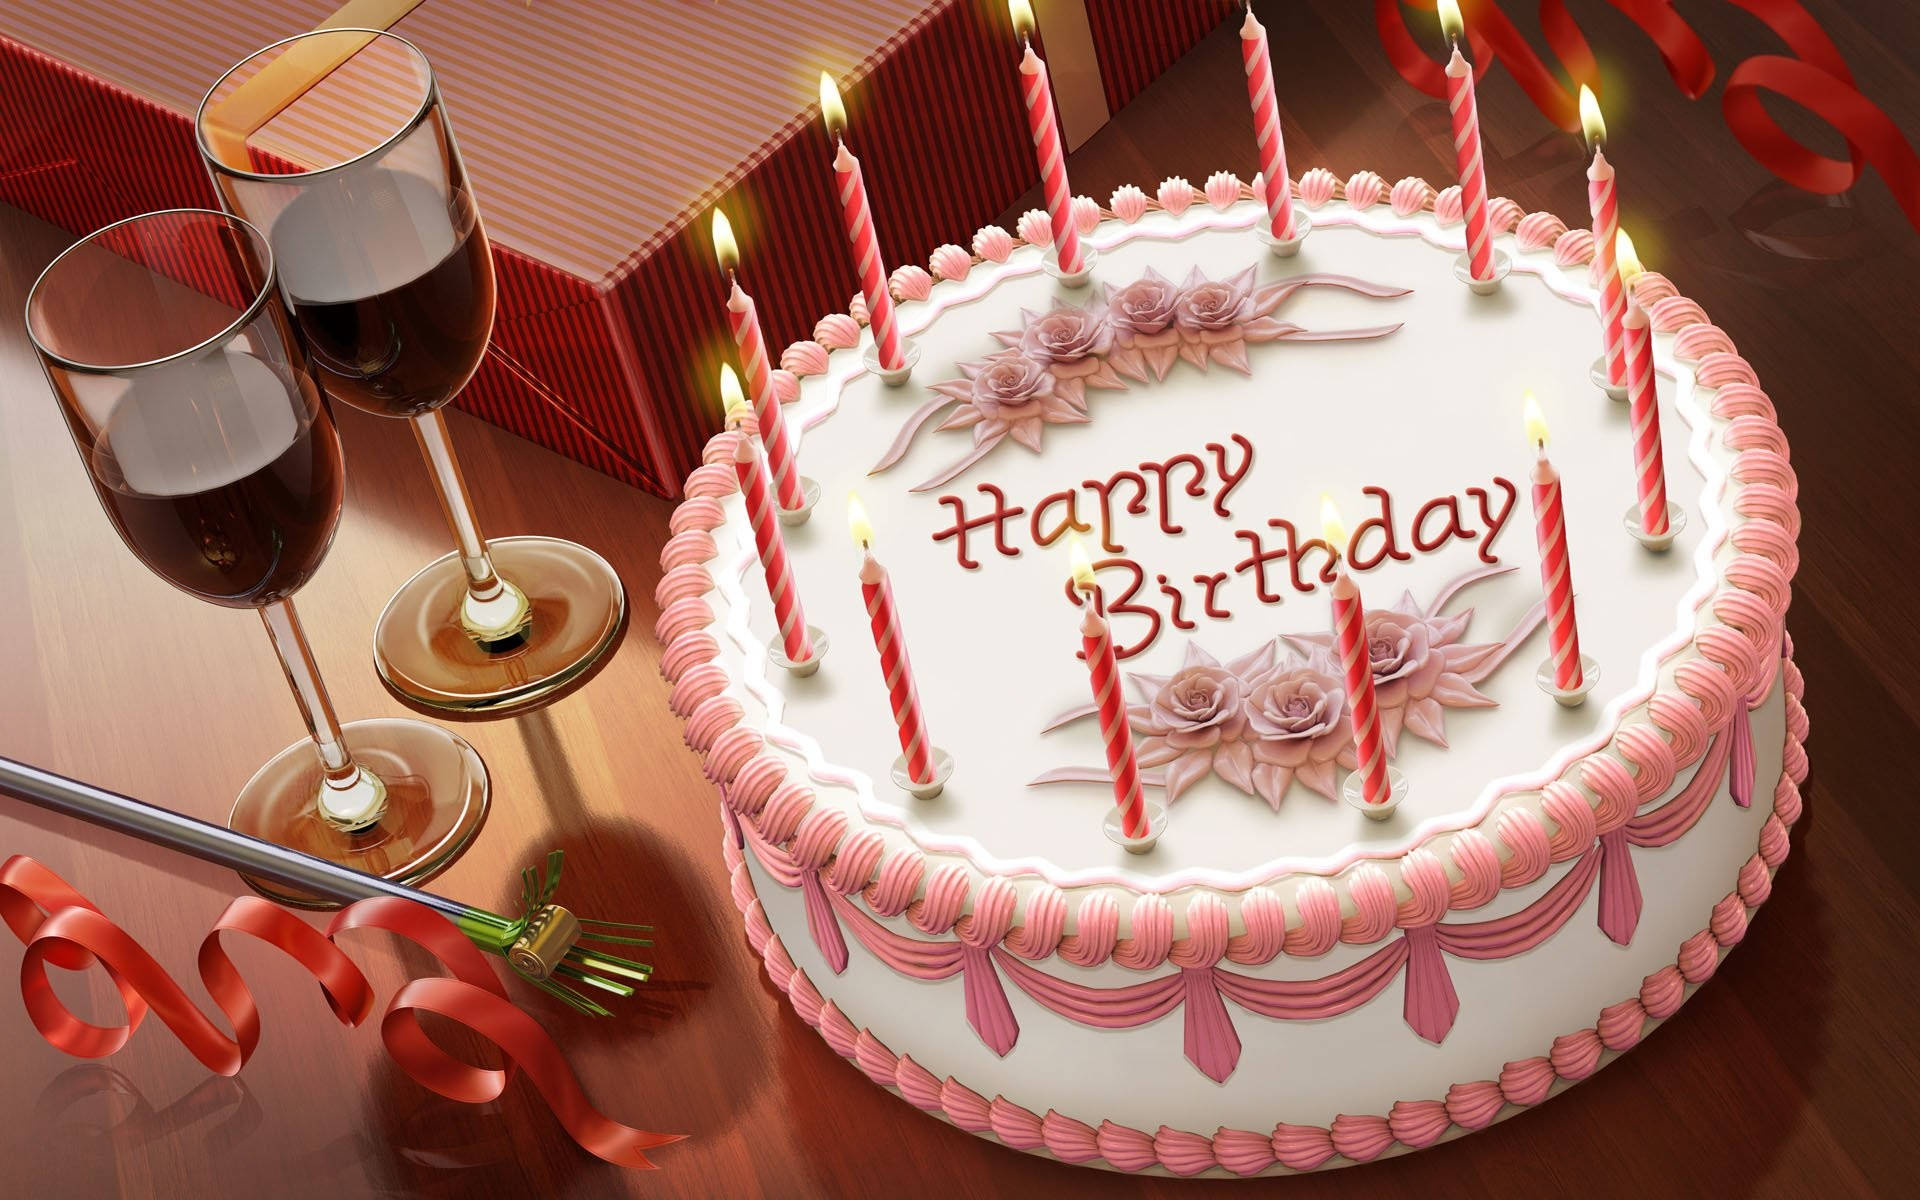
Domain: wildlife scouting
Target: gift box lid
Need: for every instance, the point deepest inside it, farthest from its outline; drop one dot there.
(594, 129)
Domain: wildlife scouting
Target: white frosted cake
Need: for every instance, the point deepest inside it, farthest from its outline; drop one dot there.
(1279, 982)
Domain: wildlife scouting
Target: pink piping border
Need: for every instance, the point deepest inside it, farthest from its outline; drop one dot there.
(1752, 605)
(1408, 1125)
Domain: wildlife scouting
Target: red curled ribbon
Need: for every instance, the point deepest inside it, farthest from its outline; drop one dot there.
(1815, 77)
(60, 926)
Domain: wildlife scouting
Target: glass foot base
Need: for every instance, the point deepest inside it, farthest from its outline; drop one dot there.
(426, 655)
(436, 800)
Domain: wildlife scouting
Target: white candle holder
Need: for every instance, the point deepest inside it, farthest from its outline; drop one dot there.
(1116, 830)
(1072, 279)
(1463, 271)
(1287, 247)
(1568, 697)
(1659, 543)
(942, 771)
(777, 652)
(1598, 373)
(809, 496)
(893, 377)
(1353, 790)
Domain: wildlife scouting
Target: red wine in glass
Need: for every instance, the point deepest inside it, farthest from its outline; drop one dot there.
(222, 487)
(396, 314)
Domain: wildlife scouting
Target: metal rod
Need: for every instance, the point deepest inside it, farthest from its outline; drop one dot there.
(207, 842)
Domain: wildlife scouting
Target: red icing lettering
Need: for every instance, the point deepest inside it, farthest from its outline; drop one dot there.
(1257, 560)
(1451, 505)
(1212, 583)
(1230, 477)
(963, 525)
(1125, 606)
(1196, 486)
(1176, 609)
(1389, 545)
(1493, 522)
(1297, 553)
(1104, 488)
(1069, 496)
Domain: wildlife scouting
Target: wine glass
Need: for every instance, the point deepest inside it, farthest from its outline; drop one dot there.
(336, 143)
(194, 406)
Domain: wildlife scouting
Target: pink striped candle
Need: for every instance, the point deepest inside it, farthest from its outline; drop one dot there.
(903, 696)
(750, 469)
(1556, 566)
(1257, 58)
(856, 216)
(1643, 394)
(1049, 150)
(1604, 202)
(1470, 165)
(744, 320)
(1103, 668)
(1356, 664)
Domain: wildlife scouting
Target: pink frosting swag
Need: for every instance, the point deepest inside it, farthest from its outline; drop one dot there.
(1201, 988)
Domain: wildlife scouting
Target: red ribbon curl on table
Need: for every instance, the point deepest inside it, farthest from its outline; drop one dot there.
(1815, 77)
(61, 927)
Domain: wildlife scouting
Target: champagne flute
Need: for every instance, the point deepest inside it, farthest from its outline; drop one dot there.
(212, 450)
(337, 143)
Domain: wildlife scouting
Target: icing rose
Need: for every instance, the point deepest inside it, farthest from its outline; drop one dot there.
(1145, 306)
(1195, 721)
(1223, 189)
(1399, 648)
(910, 283)
(837, 331)
(1198, 707)
(1364, 189)
(857, 308)
(805, 358)
(1011, 388)
(1035, 228)
(1214, 304)
(1296, 715)
(993, 243)
(1128, 203)
(1175, 195)
(1086, 213)
(1410, 195)
(949, 262)
(1064, 337)
(1316, 187)
(1447, 208)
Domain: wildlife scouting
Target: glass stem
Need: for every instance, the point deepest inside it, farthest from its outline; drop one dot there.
(431, 429)
(350, 796)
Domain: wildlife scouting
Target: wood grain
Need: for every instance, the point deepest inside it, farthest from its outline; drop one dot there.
(1796, 1071)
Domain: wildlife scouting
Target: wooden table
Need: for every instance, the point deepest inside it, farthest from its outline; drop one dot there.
(1796, 1071)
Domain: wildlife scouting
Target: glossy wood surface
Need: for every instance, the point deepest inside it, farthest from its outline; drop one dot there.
(1796, 1071)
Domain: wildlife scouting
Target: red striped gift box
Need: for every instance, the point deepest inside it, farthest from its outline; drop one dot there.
(599, 133)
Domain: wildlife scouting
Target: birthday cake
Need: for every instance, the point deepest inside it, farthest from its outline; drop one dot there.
(1280, 974)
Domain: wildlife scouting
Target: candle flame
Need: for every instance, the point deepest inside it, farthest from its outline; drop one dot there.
(1451, 23)
(1626, 256)
(1591, 122)
(832, 111)
(1536, 422)
(1082, 565)
(1022, 14)
(1331, 526)
(857, 520)
(733, 398)
(724, 247)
